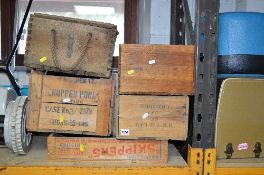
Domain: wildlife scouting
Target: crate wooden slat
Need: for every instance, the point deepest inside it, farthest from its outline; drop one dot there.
(106, 149)
(68, 117)
(156, 69)
(159, 117)
(69, 104)
(81, 47)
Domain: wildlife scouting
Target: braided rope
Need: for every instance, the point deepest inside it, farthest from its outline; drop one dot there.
(62, 67)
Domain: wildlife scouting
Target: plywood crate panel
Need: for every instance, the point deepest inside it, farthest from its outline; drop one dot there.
(156, 69)
(69, 104)
(106, 149)
(70, 45)
(159, 117)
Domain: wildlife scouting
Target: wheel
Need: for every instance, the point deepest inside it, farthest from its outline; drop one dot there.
(18, 139)
(7, 124)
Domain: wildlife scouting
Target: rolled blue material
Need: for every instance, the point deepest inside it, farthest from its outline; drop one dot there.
(24, 90)
(241, 33)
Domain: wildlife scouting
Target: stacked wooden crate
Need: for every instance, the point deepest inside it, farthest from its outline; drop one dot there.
(65, 104)
(76, 108)
(154, 84)
(72, 48)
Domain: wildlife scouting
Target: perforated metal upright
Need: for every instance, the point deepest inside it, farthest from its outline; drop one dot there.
(181, 24)
(206, 73)
(177, 23)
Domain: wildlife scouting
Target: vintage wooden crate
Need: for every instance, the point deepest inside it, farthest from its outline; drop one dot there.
(70, 45)
(159, 117)
(69, 104)
(156, 69)
(106, 149)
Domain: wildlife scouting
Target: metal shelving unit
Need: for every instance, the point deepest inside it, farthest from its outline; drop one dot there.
(205, 95)
(206, 73)
(205, 41)
(177, 22)
(202, 155)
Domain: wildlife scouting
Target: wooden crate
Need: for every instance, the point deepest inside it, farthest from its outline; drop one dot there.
(69, 104)
(106, 149)
(70, 45)
(156, 69)
(159, 117)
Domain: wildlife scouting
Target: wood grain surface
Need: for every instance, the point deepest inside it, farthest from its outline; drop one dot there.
(71, 37)
(67, 117)
(70, 104)
(159, 117)
(156, 69)
(106, 149)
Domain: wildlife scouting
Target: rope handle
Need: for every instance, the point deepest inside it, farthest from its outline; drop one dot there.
(62, 67)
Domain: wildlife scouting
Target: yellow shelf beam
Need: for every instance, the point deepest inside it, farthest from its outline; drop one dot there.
(94, 170)
(239, 171)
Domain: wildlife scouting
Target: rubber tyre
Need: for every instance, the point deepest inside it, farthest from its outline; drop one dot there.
(20, 140)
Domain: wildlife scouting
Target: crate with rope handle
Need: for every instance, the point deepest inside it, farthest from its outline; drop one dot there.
(69, 45)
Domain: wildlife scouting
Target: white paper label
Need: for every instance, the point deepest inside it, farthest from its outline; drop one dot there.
(66, 100)
(152, 61)
(124, 132)
(242, 146)
(144, 116)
